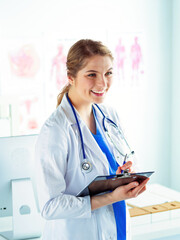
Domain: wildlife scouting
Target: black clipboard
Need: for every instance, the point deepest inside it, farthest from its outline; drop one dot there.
(109, 182)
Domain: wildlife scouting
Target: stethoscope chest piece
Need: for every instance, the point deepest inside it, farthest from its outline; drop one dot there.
(86, 166)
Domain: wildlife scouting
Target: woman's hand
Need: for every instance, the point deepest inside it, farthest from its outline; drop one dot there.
(124, 192)
(127, 165)
(130, 190)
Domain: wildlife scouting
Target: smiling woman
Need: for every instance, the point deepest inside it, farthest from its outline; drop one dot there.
(92, 82)
(78, 58)
(72, 149)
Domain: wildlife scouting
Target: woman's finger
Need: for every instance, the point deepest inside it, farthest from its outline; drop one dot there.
(140, 188)
(127, 165)
(131, 186)
(118, 170)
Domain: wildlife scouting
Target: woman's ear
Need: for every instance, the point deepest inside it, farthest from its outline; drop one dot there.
(70, 79)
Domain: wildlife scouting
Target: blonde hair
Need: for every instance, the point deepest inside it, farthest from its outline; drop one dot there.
(77, 56)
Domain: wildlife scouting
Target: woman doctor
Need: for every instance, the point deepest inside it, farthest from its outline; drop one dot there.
(72, 149)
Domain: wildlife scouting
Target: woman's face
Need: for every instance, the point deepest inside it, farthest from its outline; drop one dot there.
(92, 82)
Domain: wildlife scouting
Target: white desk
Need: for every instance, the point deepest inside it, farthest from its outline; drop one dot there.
(156, 230)
(162, 228)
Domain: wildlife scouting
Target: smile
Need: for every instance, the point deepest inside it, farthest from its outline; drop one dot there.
(98, 92)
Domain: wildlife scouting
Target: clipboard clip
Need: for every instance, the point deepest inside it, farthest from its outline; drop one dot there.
(126, 173)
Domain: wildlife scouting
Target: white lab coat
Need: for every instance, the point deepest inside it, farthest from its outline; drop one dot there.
(60, 179)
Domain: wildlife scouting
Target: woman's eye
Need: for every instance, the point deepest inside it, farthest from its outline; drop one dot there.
(109, 73)
(92, 75)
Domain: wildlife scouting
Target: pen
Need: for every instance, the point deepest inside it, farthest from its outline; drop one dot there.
(122, 171)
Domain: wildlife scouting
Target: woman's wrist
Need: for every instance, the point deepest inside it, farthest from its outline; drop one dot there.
(114, 197)
(102, 200)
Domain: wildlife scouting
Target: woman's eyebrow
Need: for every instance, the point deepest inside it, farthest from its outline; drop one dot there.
(92, 71)
(97, 71)
(110, 69)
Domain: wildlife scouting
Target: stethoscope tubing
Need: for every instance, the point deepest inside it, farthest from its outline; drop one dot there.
(80, 133)
(104, 117)
(121, 133)
(105, 129)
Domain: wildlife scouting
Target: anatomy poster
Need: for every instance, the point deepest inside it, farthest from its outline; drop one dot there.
(128, 92)
(22, 77)
(129, 51)
(22, 65)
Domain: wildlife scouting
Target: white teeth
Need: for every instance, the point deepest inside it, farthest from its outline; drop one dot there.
(98, 91)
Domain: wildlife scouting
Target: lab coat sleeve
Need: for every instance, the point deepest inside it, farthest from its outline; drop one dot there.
(51, 156)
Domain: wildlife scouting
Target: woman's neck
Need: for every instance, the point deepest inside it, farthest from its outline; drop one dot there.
(88, 118)
(84, 108)
(85, 111)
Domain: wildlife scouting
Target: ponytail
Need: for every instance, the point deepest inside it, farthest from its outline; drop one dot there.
(61, 94)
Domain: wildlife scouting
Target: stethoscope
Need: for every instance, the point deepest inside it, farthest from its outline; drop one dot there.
(86, 165)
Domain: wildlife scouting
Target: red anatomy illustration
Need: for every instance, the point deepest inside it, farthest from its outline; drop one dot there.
(24, 62)
(28, 103)
(120, 58)
(136, 58)
(28, 116)
(59, 67)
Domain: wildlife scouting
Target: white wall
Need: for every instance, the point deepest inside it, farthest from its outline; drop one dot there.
(175, 126)
(154, 147)
(148, 122)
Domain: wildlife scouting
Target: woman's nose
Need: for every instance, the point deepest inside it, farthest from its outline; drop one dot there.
(102, 81)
